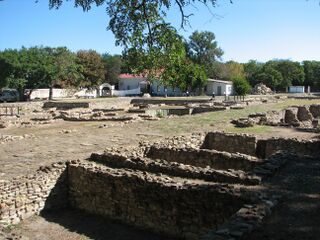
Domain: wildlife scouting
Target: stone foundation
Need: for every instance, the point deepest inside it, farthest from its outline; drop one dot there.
(183, 192)
(27, 196)
(262, 148)
(66, 105)
(145, 200)
(204, 157)
(175, 169)
(234, 143)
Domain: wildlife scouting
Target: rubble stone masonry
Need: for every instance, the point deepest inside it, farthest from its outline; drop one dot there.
(27, 196)
(159, 203)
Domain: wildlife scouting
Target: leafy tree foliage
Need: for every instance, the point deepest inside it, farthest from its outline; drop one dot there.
(151, 46)
(292, 73)
(241, 86)
(92, 67)
(113, 67)
(203, 48)
(312, 73)
(160, 59)
(276, 74)
(227, 71)
(270, 77)
(251, 69)
(38, 67)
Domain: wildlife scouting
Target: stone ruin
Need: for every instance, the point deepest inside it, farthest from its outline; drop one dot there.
(199, 187)
(302, 117)
(261, 89)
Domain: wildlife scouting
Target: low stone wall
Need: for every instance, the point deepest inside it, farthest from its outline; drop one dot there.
(143, 101)
(144, 200)
(66, 105)
(27, 196)
(266, 148)
(221, 141)
(175, 169)
(204, 157)
(198, 110)
(262, 148)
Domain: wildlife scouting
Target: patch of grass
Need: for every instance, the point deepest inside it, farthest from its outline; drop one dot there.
(257, 129)
(221, 120)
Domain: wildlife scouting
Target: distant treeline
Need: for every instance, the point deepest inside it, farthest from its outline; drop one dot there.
(44, 67)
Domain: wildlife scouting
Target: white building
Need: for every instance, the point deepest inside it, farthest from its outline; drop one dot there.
(296, 89)
(130, 81)
(219, 87)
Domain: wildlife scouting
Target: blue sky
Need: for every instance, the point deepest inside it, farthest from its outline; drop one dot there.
(246, 29)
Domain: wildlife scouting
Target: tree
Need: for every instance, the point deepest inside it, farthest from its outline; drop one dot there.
(136, 8)
(232, 70)
(292, 72)
(252, 69)
(150, 44)
(113, 66)
(66, 72)
(188, 76)
(92, 67)
(241, 86)
(157, 59)
(203, 48)
(270, 77)
(312, 73)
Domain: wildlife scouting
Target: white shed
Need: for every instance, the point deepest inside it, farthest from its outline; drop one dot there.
(296, 89)
(219, 87)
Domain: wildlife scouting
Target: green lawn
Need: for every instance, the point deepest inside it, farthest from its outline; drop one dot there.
(221, 120)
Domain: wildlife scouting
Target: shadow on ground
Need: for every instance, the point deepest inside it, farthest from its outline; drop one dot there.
(297, 216)
(77, 225)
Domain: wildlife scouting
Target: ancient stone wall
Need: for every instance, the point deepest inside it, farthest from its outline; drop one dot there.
(204, 157)
(266, 148)
(175, 169)
(159, 203)
(262, 148)
(221, 141)
(66, 105)
(27, 196)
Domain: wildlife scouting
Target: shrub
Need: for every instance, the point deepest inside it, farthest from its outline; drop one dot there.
(241, 86)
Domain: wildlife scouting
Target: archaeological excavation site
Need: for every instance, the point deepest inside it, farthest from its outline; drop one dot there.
(140, 183)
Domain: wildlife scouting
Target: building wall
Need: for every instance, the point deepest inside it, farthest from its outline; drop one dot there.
(296, 89)
(159, 90)
(129, 83)
(213, 87)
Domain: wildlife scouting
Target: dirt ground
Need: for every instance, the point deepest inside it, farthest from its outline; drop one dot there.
(50, 143)
(75, 225)
(297, 217)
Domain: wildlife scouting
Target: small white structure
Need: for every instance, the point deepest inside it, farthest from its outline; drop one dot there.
(219, 87)
(86, 93)
(296, 89)
(130, 81)
(105, 90)
(44, 93)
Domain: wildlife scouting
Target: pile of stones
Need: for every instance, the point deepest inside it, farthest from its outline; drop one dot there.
(296, 116)
(261, 89)
(11, 138)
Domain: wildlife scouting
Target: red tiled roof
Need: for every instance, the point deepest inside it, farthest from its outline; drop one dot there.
(127, 75)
